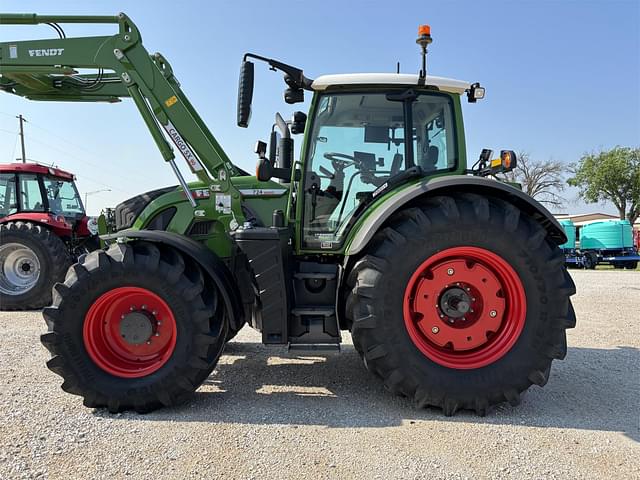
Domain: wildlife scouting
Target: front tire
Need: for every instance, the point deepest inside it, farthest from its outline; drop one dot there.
(134, 327)
(461, 303)
(32, 260)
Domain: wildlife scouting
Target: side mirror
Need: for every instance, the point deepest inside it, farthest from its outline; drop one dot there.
(245, 93)
(265, 171)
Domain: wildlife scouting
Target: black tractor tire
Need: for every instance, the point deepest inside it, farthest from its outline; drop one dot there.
(52, 255)
(376, 298)
(590, 261)
(631, 265)
(200, 326)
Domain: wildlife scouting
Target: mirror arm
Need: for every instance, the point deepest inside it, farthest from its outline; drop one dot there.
(295, 73)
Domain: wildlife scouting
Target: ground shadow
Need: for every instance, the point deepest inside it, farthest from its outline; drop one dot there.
(592, 389)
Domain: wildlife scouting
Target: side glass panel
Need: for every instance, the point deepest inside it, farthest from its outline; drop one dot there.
(63, 197)
(357, 143)
(8, 204)
(30, 195)
(434, 139)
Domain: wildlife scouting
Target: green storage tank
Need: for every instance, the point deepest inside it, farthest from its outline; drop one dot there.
(608, 235)
(570, 231)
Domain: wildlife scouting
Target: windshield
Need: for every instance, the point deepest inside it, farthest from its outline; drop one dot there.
(8, 204)
(63, 197)
(358, 144)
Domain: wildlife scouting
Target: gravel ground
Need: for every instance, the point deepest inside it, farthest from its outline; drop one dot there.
(264, 414)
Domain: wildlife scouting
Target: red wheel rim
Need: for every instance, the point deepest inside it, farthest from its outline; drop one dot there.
(464, 307)
(108, 326)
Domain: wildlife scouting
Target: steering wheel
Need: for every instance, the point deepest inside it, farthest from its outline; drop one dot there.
(340, 160)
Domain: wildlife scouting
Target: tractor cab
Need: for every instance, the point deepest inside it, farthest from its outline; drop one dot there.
(366, 135)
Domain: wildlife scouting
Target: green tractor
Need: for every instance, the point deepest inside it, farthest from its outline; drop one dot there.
(450, 281)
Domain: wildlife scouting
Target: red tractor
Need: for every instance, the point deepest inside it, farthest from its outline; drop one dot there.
(43, 230)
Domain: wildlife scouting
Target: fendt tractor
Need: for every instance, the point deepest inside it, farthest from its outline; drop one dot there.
(43, 230)
(451, 282)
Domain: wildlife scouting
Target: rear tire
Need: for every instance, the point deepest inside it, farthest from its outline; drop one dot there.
(445, 376)
(165, 290)
(590, 261)
(32, 259)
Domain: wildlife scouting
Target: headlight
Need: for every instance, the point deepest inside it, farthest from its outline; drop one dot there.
(92, 225)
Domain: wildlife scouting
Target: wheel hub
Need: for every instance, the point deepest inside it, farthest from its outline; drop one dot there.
(130, 332)
(455, 302)
(464, 307)
(137, 328)
(19, 269)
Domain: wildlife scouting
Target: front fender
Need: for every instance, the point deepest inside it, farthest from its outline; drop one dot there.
(210, 263)
(366, 228)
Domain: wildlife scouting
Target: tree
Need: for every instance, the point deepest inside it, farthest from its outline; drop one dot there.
(541, 179)
(612, 176)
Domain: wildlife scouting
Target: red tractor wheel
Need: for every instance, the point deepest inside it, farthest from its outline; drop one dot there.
(461, 302)
(134, 327)
(464, 307)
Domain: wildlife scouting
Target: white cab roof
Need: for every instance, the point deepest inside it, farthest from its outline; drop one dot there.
(444, 84)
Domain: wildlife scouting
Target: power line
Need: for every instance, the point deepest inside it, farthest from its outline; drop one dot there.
(15, 145)
(80, 147)
(82, 160)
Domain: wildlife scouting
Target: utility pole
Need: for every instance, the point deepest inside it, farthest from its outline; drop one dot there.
(22, 120)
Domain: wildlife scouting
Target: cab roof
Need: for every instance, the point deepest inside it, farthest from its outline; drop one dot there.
(35, 168)
(445, 84)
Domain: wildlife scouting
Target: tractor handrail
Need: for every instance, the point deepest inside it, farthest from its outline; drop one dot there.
(45, 70)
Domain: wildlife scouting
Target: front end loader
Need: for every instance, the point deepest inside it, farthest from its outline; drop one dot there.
(450, 281)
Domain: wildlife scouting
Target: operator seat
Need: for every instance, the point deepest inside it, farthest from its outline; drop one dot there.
(396, 164)
(429, 161)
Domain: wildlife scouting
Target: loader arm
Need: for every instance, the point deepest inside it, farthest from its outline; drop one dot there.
(48, 70)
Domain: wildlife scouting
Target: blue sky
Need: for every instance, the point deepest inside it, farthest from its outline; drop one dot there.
(562, 77)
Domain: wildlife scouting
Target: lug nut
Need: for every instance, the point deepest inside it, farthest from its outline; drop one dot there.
(435, 329)
(148, 342)
(157, 334)
(450, 271)
(144, 307)
(132, 308)
(442, 315)
(493, 313)
(154, 313)
(159, 323)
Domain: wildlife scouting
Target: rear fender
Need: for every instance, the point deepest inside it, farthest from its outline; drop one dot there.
(211, 265)
(60, 228)
(445, 185)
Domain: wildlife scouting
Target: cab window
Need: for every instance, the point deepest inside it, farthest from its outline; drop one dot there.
(8, 204)
(63, 197)
(30, 193)
(433, 132)
(357, 144)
